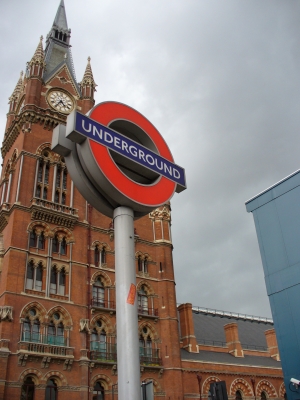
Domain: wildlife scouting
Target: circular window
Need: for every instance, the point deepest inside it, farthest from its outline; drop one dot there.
(145, 330)
(56, 316)
(99, 324)
(32, 312)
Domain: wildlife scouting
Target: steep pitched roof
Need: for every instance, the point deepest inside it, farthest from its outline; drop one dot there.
(58, 49)
(88, 78)
(60, 19)
(39, 56)
(18, 89)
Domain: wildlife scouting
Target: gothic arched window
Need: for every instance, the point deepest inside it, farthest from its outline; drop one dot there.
(143, 301)
(43, 169)
(34, 276)
(27, 390)
(31, 327)
(145, 348)
(63, 247)
(62, 282)
(37, 240)
(103, 255)
(38, 277)
(99, 256)
(51, 390)
(30, 275)
(98, 391)
(98, 342)
(41, 241)
(59, 246)
(58, 281)
(33, 238)
(98, 293)
(55, 244)
(142, 264)
(61, 184)
(53, 280)
(55, 331)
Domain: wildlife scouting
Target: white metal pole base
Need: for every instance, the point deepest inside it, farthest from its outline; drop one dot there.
(126, 307)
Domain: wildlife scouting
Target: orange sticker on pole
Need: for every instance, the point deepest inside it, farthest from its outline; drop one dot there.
(131, 294)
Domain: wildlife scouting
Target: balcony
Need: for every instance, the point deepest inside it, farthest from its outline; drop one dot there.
(101, 304)
(149, 356)
(45, 339)
(47, 347)
(147, 311)
(103, 352)
(55, 213)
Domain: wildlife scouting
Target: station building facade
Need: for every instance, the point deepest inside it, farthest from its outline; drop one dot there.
(57, 279)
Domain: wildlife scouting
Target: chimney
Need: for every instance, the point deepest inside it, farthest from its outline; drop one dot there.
(187, 328)
(232, 340)
(272, 344)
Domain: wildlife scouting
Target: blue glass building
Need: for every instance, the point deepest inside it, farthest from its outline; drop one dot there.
(276, 213)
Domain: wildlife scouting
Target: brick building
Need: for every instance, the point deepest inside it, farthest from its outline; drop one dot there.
(57, 304)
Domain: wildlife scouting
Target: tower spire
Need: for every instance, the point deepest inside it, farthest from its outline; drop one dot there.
(60, 19)
(58, 49)
(88, 84)
(17, 91)
(37, 63)
(88, 87)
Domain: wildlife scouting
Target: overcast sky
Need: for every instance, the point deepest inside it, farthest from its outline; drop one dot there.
(221, 81)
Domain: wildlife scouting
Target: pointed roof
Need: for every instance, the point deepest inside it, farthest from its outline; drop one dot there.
(39, 56)
(60, 19)
(18, 89)
(88, 78)
(58, 49)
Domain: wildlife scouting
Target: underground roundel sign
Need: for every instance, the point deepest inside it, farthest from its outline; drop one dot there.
(116, 157)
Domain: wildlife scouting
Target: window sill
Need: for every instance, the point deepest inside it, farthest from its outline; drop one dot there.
(35, 292)
(58, 296)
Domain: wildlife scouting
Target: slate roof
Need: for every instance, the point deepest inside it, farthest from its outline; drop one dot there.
(209, 327)
(209, 330)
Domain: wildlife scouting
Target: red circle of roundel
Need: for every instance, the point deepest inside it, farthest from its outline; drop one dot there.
(155, 194)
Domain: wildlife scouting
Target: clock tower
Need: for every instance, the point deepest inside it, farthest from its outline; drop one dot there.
(57, 273)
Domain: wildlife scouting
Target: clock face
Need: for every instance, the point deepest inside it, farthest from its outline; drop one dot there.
(60, 101)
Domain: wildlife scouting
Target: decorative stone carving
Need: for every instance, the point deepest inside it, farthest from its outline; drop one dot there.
(6, 313)
(84, 325)
(159, 213)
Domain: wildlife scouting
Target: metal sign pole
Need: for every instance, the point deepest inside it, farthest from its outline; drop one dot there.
(126, 306)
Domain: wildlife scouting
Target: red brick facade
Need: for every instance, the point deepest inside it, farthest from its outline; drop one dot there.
(57, 280)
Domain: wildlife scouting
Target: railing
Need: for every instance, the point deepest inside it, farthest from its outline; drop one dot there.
(101, 303)
(212, 343)
(228, 314)
(254, 347)
(103, 352)
(44, 348)
(108, 352)
(148, 311)
(43, 339)
(149, 356)
(54, 206)
(224, 344)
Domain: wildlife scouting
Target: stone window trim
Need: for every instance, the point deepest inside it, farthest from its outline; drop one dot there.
(143, 260)
(100, 251)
